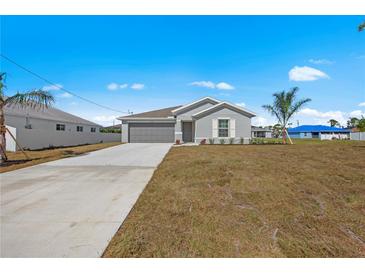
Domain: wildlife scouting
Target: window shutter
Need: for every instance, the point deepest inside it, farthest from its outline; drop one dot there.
(215, 128)
(232, 127)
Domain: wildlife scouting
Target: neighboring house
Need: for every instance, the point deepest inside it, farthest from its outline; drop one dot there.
(319, 131)
(38, 128)
(260, 132)
(206, 118)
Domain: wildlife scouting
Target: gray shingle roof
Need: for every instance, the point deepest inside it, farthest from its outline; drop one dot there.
(50, 113)
(159, 113)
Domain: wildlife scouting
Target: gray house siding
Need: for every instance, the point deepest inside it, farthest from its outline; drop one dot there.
(186, 115)
(124, 132)
(43, 133)
(204, 125)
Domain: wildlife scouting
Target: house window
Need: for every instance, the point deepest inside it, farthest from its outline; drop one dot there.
(79, 129)
(223, 128)
(93, 129)
(60, 127)
(28, 125)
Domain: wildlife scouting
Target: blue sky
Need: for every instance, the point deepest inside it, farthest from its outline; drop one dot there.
(140, 63)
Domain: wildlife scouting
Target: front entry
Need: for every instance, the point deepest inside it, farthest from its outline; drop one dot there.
(187, 129)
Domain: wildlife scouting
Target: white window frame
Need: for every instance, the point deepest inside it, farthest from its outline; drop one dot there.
(78, 128)
(93, 129)
(60, 127)
(219, 128)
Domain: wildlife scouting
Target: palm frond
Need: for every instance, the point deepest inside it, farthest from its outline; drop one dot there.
(35, 98)
(285, 105)
(362, 26)
(2, 86)
(273, 112)
(296, 106)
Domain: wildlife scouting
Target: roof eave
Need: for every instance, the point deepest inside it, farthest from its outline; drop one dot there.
(242, 110)
(145, 118)
(194, 103)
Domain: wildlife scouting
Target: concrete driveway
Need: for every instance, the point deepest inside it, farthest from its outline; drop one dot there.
(73, 207)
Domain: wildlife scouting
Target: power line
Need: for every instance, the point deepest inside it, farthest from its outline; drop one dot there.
(60, 88)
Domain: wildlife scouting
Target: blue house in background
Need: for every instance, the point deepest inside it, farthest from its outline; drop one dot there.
(319, 131)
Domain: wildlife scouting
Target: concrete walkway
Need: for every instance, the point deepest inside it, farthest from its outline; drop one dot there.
(73, 207)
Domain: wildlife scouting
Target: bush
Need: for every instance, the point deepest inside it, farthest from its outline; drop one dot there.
(242, 141)
(211, 141)
(231, 141)
(221, 141)
(263, 141)
(110, 130)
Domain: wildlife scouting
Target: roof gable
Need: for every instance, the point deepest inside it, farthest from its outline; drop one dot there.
(221, 105)
(195, 104)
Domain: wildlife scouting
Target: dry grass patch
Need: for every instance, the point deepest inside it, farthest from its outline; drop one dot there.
(305, 200)
(18, 160)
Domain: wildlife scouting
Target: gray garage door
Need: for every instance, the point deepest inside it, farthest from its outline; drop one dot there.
(151, 133)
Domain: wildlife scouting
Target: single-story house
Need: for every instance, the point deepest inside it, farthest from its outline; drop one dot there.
(261, 132)
(204, 119)
(319, 131)
(37, 128)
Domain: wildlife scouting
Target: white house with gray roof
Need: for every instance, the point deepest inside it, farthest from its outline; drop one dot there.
(38, 128)
(207, 118)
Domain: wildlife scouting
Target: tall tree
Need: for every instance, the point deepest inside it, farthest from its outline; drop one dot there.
(352, 122)
(285, 106)
(333, 123)
(361, 124)
(34, 98)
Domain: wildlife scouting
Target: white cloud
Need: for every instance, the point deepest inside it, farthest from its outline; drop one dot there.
(223, 85)
(321, 61)
(137, 86)
(65, 95)
(115, 86)
(74, 104)
(241, 104)
(306, 74)
(323, 117)
(362, 104)
(52, 87)
(205, 84)
(210, 84)
(357, 113)
(112, 86)
(259, 121)
(105, 118)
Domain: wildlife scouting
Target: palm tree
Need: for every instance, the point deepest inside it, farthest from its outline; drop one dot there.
(361, 124)
(32, 98)
(352, 122)
(333, 123)
(284, 107)
(362, 26)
